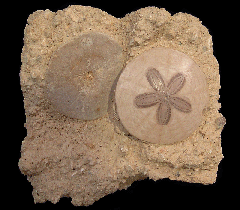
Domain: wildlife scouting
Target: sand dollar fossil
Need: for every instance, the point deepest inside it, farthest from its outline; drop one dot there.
(160, 96)
(81, 74)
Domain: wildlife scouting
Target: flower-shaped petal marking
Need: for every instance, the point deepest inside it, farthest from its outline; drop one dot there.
(163, 96)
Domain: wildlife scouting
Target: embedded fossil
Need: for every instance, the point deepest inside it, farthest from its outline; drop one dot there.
(81, 74)
(174, 87)
(163, 96)
(86, 161)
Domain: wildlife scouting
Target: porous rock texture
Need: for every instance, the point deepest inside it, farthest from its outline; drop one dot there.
(86, 160)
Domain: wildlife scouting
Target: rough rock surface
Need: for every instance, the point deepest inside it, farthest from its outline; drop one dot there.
(86, 160)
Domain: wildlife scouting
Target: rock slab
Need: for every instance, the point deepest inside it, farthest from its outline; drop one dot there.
(86, 160)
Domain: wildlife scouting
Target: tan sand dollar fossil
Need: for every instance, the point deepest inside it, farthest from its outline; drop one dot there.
(81, 74)
(160, 96)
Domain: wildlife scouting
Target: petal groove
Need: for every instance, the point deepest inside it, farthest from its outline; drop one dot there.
(147, 99)
(155, 79)
(181, 104)
(164, 113)
(176, 83)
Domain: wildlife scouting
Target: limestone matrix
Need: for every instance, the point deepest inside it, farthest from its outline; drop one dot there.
(86, 160)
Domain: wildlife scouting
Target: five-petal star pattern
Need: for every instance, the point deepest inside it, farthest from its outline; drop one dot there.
(163, 96)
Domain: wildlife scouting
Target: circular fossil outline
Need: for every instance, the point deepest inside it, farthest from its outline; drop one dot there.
(142, 122)
(80, 75)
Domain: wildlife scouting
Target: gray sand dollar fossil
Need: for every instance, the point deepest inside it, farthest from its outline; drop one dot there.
(76, 84)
